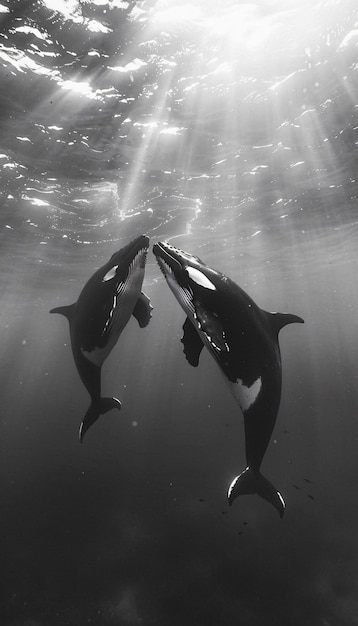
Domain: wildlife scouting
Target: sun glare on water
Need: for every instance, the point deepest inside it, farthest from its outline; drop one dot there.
(202, 77)
(241, 32)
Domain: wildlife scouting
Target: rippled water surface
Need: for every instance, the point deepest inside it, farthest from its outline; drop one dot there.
(229, 129)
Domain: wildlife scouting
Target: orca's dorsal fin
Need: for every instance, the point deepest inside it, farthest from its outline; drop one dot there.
(142, 310)
(67, 311)
(279, 320)
(192, 343)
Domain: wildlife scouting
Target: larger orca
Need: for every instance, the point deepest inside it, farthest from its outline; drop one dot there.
(102, 310)
(243, 339)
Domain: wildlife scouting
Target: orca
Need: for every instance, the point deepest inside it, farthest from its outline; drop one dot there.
(243, 339)
(97, 319)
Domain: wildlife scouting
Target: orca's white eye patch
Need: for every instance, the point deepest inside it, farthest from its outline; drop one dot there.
(111, 274)
(199, 278)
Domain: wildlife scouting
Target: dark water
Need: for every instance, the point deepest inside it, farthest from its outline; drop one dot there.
(229, 129)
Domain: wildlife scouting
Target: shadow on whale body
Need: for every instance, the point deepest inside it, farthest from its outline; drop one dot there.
(243, 339)
(97, 319)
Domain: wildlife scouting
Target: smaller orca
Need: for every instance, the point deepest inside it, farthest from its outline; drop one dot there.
(102, 310)
(243, 339)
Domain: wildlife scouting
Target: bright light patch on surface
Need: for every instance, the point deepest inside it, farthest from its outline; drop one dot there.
(172, 130)
(231, 23)
(351, 38)
(172, 14)
(114, 4)
(251, 35)
(72, 10)
(68, 8)
(29, 30)
(132, 66)
(21, 62)
(36, 201)
(240, 24)
(82, 88)
(97, 27)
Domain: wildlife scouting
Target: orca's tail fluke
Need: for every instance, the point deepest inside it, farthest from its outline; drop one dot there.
(249, 482)
(95, 410)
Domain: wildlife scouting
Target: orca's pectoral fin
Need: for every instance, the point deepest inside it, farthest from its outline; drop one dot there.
(249, 482)
(192, 343)
(67, 311)
(143, 310)
(94, 411)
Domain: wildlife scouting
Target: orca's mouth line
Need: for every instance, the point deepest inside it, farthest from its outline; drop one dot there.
(165, 267)
(143, 251)
(142, 254)
(174, 274)
(167, 260)
(142, 245)
(138, 263)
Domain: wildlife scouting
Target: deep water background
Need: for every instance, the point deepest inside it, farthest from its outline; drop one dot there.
(229, 129)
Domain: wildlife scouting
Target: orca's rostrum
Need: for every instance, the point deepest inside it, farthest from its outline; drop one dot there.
(243, 339)
(102, 310)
